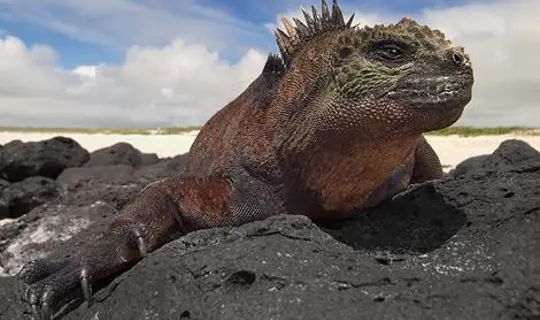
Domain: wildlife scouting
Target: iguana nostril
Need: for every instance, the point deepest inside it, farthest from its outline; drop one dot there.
(457, 57)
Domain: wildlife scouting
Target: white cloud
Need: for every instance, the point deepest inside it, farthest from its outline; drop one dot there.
(121, 24)
(183, 83)
(177, 84)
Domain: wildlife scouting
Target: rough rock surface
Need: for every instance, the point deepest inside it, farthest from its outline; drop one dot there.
(464, 247)
(162, 169)
(20, 197)
(48, 158)
(511, 152)
(148, 159)
(46, 229)
(4, 205)
(121, 153)
(83, 205)
(111, 173)
(114, 184)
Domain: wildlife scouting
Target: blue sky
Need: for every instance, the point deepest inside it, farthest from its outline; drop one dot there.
(74, 50)
(139, 63)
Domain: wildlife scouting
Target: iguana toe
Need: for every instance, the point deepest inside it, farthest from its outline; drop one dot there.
(86, 286)
(136, 234)
(46, 300)
(33, 300)
(39, 269)
(40, 302)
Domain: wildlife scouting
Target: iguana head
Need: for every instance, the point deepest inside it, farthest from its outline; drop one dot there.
(404, 76)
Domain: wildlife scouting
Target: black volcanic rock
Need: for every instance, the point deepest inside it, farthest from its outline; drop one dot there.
(11, 306)
(20, 197)
(509, 153)
(164, 168)
(114, 184)
(463, 247)
(110, 174)
(45, 230)
(48, 158)
(149, 159)
(120, 153)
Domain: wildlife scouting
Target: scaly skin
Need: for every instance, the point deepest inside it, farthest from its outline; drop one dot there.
(331, 127)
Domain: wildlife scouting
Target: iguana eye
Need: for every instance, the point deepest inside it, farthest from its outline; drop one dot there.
(391, 52)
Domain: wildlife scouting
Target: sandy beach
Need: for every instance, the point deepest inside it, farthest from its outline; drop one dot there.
(451, 149)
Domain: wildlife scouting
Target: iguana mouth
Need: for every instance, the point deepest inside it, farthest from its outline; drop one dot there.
(446, 91)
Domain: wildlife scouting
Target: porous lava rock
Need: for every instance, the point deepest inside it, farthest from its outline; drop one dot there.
(47, 158)
(120, 153)
(463, 247)
(19, 198)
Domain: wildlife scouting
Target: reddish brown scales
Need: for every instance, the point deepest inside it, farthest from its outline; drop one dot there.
(344, 190)
(203, 202)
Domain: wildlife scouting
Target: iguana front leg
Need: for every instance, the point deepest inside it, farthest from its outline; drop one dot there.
(427, 165)
(176, 205)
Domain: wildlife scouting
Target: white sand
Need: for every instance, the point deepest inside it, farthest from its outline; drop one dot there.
(162, 145)
(451, 149)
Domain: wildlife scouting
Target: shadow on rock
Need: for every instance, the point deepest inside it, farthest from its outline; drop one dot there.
(416, 222)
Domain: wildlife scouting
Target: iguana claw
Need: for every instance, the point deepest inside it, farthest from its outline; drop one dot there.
(86, 286)
(33, 300)
(43, 311)
(46, 311)
(139, 239)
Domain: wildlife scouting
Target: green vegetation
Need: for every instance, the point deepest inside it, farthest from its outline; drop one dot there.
(124, 131)
(472, 132)
(175, 130)
(460, 131)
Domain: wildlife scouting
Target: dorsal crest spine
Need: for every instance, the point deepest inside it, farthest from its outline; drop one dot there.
(300, 33)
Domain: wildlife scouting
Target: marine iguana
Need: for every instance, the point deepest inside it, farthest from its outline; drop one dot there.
(331, 127)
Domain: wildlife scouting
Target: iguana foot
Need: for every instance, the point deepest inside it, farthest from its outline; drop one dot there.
(46, 294)
(52, 284)
(144, 224)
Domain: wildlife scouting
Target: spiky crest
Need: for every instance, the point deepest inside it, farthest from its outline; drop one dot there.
(273, 65)
(296, 37)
